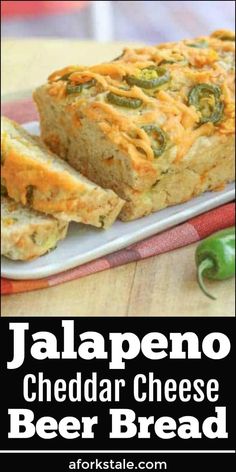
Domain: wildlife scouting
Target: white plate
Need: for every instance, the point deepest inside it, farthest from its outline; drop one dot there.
(85, 243)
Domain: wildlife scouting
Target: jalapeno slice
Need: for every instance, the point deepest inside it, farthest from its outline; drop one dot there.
(122, 101)
(206, 99)
(77, 88)
(72, 88)
(183, 61)
(157, 137)
(199, 45)
(149, 78)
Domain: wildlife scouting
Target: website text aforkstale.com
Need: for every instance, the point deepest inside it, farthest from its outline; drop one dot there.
(111, 464)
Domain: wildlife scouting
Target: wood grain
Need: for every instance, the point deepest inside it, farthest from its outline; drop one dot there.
(163, 285)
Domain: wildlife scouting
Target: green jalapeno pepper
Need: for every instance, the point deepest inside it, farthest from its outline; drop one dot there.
(215, 257)
(149, 78)
(167, 61)
(158, 138)
(77, 88)
(206, 99)
(122, 101)
(72, 88)
(200, 45)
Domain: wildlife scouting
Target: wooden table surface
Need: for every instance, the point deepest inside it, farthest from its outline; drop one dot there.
(164, 285)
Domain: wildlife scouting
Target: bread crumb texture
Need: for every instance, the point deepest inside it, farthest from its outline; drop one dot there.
(27, 234)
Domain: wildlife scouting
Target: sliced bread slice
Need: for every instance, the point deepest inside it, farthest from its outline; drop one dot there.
(27, 234)
(39, 179)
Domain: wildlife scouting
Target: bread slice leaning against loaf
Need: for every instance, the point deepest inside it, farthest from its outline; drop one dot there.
(39, 179)
(156, 125)
(27, 234)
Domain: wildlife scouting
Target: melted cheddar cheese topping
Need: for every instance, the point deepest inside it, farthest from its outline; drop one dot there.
(208, 59)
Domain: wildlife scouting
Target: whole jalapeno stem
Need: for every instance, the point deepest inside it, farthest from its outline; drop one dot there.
(206, 264)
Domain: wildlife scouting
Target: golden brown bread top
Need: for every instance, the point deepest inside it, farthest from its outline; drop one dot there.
(196, 97)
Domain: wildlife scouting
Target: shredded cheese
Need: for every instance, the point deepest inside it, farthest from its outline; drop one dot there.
(168, 105)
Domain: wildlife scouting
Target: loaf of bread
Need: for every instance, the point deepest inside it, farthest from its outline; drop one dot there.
(27, 234)
(39, 179)
(156, 125)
